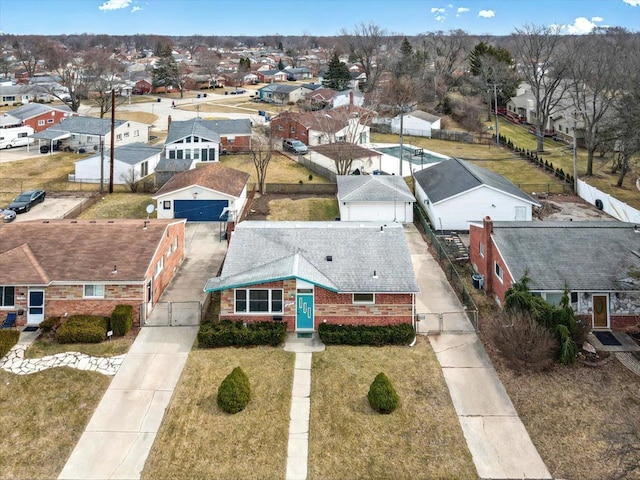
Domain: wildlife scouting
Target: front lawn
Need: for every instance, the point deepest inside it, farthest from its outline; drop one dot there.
(304, 209)
(199, 441)
(281, 169)
(422, 439)
(120, 205)
(42, 418)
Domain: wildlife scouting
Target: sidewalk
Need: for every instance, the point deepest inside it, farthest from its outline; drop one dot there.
(498, 441)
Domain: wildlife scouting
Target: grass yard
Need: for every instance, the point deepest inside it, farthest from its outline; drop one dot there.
(304, 209)
(42, 347)
(281, 169)
(142, 117)
(199, 441)
(120, 205)
(42, 418)
(420, 440)
(571, 412)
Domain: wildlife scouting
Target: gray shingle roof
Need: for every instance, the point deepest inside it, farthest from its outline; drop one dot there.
(33, 109)
(209, 129)
(266, 251)
(87, 125)
(373, 188)
(591, 256)
(132, 153)
(454, 176)
(280, 88)
(173, 165)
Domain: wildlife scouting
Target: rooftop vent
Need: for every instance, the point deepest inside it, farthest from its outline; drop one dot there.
(329, 258)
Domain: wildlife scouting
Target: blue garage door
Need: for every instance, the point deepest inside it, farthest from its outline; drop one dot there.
(199, 210)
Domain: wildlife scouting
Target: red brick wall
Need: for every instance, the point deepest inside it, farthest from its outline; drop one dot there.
(291, 128)
(242, 143)
(33, 122)
(171, 262)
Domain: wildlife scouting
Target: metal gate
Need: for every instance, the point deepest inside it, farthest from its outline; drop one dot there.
(174, 314)
(447, 322)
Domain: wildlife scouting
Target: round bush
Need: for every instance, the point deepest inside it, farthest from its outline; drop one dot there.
(234, 392)
(382, 396)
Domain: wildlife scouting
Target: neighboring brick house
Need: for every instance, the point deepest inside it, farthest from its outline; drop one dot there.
(597, 262)
(307, 273)
(204, 140)
(35, 115)
(143, 86)
(57, 267)
(268, 76)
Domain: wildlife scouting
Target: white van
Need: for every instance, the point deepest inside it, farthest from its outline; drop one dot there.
(15, 137)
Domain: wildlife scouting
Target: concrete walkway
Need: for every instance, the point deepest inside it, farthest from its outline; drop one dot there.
(498, 441)
(298, 446)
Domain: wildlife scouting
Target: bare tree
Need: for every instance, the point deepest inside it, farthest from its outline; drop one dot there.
(70, 67)
(29, 51)
(102, 74)
(365, 44)
(209, 60)
(542, 62)
(448, 53)
(262, 147)
(597, 65)
(131, 179)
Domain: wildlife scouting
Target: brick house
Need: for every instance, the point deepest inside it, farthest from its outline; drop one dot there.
(307, 273)
(35, 115)
(597, 262)
(56, 267)
(143, 86)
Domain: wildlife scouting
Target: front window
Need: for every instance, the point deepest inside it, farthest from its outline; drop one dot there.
(7, 296)
(94, 291)
(159, 267)
(258, 300)
(40, 123)
(498, 270)
(481, 249)
(366, 298)
(166, 205)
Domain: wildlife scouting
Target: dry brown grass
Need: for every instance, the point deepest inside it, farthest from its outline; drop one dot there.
(120, 205)
(199, 441)
(303, 209)
(43, 346)
(420, 440)
(142, 117)
(42, 418)
(281, 169)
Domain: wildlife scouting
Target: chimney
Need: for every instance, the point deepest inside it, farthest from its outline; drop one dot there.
(487, 230)
(350, 97)
(168, 123)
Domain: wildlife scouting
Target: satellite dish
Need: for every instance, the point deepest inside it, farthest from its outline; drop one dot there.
(150, 209)
(638, 183)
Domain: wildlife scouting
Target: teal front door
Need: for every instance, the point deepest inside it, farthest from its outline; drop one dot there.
(304, 312)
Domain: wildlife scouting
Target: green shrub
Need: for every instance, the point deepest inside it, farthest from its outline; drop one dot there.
(234, 392)
(83, 329)
(8, 338)
(49, 324)
(382, 396)
(121, 320)
(236, 334)
(400, 334)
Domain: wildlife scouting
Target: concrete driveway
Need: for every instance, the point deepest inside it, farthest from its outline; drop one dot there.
(51, 208)
(20, 153)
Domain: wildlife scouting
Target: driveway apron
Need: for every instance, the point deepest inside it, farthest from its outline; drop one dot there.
(119, 436)
(498, 441)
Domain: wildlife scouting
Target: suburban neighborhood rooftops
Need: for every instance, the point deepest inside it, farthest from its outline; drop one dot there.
(78, 250)
(454, 176)
(373, 188)
(590, 256)
(340, 256)
(132, 153)
(212, 176)
(31, 110)
(86, 125)
(209, 129)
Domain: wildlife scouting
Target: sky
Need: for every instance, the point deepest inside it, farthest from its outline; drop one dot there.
(310, 17)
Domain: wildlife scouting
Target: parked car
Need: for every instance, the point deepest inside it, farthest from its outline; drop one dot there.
(295, 146)
(7, 215)
(238, 91)
(26, 200)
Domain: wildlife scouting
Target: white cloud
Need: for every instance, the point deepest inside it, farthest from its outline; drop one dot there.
(437, 10)
(440, 18)
(596, 19)
(486, 13)
(462, 9)
(633, 3)
(114, 4)
(136, 9)
(580, 26)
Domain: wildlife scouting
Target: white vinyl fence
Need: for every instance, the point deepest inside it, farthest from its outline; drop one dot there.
(608, 204)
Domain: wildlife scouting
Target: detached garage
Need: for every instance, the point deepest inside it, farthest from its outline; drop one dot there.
(384, 198)
(211, 193)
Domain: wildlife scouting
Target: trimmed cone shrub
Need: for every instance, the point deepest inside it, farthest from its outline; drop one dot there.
(234, 392)
(382, 396)
(121, 320)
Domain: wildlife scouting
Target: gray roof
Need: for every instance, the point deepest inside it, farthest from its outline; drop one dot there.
(87, 125)
(209, 129)
(51, 134)
(131, 154)
(426, 116)
(590, 256)
(262, 251)
(373, 188)
(454, 176)
(312, 86)
(33, 109)
(280, 88)
(173, 165)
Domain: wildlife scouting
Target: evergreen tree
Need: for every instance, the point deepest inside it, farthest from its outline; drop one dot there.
(166, 72)
(405, 48)
(280, 65)
(337, 76)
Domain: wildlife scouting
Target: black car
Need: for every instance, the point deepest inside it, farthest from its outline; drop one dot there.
(23, 202)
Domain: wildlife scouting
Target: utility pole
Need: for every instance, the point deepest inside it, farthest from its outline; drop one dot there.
(401, 133)
(575, 154)
(495, 95)
(113, 138)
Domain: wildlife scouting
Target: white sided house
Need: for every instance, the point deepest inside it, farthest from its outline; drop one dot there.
(209, 193)
(131, 163)
(455, 193)
(384, 198)
(416, 123)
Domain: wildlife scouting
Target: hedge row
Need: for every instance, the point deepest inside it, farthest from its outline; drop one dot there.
(8, 338)
(83, 329)
(236, 334)
(401, 334)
